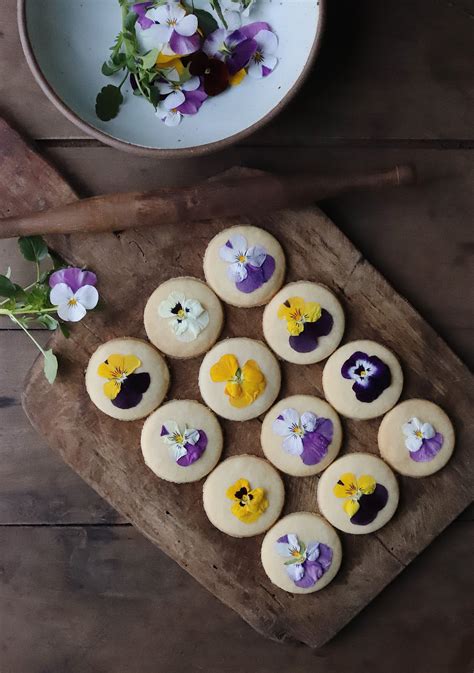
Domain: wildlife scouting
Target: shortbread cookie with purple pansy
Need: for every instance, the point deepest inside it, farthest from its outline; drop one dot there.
(244, 265)
(127, 378)
(362, 380)
(303, 323)
(301, 435)
(416, 438)
(301, 553)
(183, 317)
(181, 441)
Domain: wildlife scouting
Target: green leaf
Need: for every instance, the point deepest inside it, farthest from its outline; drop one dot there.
(38, 297)
(50, 366)
(33, 248)
(10, 290)
(48, 321)
(108, 102)
(130, 21)
(206, 22)
(149, 60)
(64, 329)
(154, 96)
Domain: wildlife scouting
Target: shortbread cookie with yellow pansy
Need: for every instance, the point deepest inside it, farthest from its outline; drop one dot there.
(239, 378)
(303, 323)
(127, 378)
(243, 496)
(244, 265)
(358, 493)
(183, 317)
(181, 441)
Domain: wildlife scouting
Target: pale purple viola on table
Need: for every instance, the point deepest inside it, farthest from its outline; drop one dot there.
(422, 440)
(186, 444)
(249, 267)
(370, 374)
(73, 292)
(307, 436)
(305, 564)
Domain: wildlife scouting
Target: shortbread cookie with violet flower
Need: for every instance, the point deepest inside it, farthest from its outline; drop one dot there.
(303, 323)
(183, 317)
(301, 553)
(243, 496)
(416, 438)
(301, 435)
(362, 380)
(244, 265)
(181, 441)
(127, 378)
(239, 378)
(358, 493)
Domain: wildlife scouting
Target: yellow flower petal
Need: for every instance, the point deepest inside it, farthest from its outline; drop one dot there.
(346, 485)
(130, 363)
(312, 311)
(258, 502)
(286, 310)
(293, 327)
(225, 369)
(105, 370)
(241, 401)
(116, 362)
(112, 389)
(351, 507)
(366, 484)
(251, 372)
(235, 80)
(170, 60)
(233, 390)
(232, 490)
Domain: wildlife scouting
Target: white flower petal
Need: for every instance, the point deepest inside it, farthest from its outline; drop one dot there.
(165, 88)
(174, 100)
(428, 431)
(408, 429)
(187, 26)
(256, 255)
(227, 254)
(88, 296)
(192, 84)
(60, 294)
(71, 313)
(150, 38)
(203, 320)
(283, 549)
(176, 12)
(312, 551)
(239, 244)
(178, 452)
(255, 70)
(270, 62)
(280, 427)
(237, 272)
(293, 445)
(159, 14)
(308, 421)
(293, 541)
(295, 571)
(156, 35)
(291, 417)
(267, 42)
(413, 443)
(192, 307)
(191, 436)
(172, 427)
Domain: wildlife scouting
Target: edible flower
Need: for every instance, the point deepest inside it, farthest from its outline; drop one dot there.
(307, 436)
(422, 440)
(249, 266)
(305, 564)
(232, 47)
(124, 387)
(306, 322)
(186, 445)
(214, 73)
(363, 497)
(370, 374)
(249, 504)
(244, 384)
(187, 317)
(73, 293)
(263, 62)
(174, 26)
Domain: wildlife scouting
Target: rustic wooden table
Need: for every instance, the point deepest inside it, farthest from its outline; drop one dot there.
(80, 590)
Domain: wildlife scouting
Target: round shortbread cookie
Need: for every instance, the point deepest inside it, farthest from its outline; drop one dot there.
(301, 553)
(362, 379)
(127, 378)
(358, 493)
(303, 323)
(239, 378)
(183, 317)
(301, 435)
(244, 265)
(181, 441)
(243, 496)
(416, 438)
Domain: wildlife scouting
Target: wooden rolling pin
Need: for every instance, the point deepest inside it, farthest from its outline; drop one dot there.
(226, 198)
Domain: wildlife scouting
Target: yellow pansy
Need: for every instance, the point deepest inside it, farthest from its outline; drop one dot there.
(296, 311)
(352, 488)
(244, 384)
(116, 369)
(249, 503)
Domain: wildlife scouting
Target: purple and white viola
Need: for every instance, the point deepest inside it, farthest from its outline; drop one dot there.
(249, 266)
(422, 440)
(73, 292)
(307, 436)
(186, 445)
(370, 374)
(305, 564)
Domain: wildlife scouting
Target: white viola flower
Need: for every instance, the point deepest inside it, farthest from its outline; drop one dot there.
(290, 548)
(149, 38)
(177, 438)
(415, 432)
(238, 255)
(173, 83)
(264, 61)
(72, 306)
(170, 18)
(312, 551)
(187, 317)
(168, 111)
(293, 428)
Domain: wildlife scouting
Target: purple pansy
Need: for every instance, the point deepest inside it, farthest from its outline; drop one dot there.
(307, 436)
(131, 390)
(305, 564)
(308, 340)
(370, 374)
(232, 47)
(422, 440)
(370, 505)
(170, 25)
(73, 292)
(140, 9)
(186, 445)
(181, 97)
(249, 267)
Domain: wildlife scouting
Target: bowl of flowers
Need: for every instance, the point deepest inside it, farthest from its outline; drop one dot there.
(170, 77)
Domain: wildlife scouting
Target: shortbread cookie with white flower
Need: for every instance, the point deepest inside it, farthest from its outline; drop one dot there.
(239, 378)
(245, 266)
(416, 438)
(127, 378)
(362, 380)
(181, 441)
(243, 496)
(303, 323)
(301, 435)
(183, 317)
(301, 553)
(358, 493)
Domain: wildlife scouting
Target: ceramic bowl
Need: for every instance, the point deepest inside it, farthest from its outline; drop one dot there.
(66, 42)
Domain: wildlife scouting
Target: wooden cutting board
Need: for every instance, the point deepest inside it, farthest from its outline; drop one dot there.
(106, 453)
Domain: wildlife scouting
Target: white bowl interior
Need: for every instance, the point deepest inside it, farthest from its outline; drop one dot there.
(71, 40)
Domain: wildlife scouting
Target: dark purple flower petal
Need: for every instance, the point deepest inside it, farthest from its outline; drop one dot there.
(140, 8)
(315, 447)
(266, 71)
(183, 45)
(429, 449)
(351, 362)
(308, 340)
(313, 571)
(284, 539)
(375, 383)
(257, 276)
(370, 506)
(195, 451)
(131, 391)
(251, 29)
(241, 55)
(164, 431)
(74, 277)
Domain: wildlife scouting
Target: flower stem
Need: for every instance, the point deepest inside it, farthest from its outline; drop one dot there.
(12, 317)
(219, 12)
